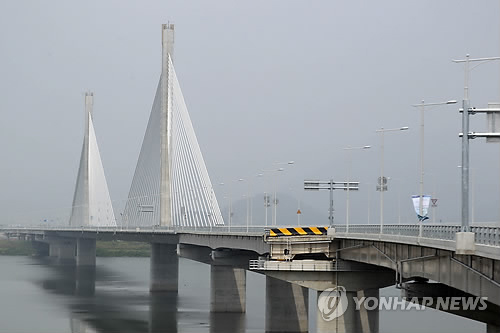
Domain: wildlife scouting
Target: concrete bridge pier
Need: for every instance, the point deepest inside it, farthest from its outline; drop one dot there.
(227, 289)
(86, 266)
(287, 306)
(352, 320)
(63, 250)
(228, 281)
(353, 279)
(53, 250)
(164, 268)
(85, 252)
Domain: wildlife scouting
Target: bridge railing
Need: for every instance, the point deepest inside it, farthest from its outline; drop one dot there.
(223, 229)
(485, 235)
(446, 232)
(298, 265)
(146, 229)
(308, 265)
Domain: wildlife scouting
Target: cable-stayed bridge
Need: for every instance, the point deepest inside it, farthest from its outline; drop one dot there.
(172, 205)
(171, 185)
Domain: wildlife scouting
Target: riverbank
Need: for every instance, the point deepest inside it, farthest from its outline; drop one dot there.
(14, 247)
(122, 249)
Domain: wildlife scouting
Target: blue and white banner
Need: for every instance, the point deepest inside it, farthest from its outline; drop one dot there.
(425, 209)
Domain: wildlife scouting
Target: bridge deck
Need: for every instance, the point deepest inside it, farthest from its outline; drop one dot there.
(487, 238)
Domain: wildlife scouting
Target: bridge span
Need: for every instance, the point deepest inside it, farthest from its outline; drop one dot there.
(362, 261)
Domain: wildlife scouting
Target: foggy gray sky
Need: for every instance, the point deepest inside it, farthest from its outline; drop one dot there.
(264, 82)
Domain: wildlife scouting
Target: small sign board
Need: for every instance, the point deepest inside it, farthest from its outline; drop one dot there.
(493, 119)
(382, 180)
(434, 202)
(299, 212)
(146, 208)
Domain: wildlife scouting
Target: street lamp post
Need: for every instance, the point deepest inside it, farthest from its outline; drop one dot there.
(349, 150)
(230, 209)
(466, 135)
(472, 194)
(230, 220)
(247, 199)
(229, 206)
(266, 200)
(422, 107)
(250, 190)
(275, 201)
(398, 194)
(266, 204)
(381, 180)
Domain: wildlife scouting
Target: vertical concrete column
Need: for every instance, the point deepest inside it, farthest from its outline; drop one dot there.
(352, 320)
(367, 318)
(326, 322)
(287, 306)
(85, 252)
(227, 289)
(64, 250)
(53, 249)
(164, 267)
(67, 252)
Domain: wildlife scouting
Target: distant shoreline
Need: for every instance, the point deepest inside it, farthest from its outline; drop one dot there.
(14, 247)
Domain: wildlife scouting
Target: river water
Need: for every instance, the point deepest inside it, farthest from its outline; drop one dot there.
(37, 297)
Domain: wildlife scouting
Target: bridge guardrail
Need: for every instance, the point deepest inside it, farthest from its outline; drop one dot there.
(146, 229)
(298, 265)
(306, 265)
(485, 235)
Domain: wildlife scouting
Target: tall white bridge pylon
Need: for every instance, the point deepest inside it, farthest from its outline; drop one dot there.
(91, 202)
(171, 185)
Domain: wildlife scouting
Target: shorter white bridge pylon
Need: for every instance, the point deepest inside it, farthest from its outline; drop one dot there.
(91, 202)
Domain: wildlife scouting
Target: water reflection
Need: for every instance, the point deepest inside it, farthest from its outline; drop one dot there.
(112, 308)
(105, 311)
(46, 298)
(163, 312)
(227, 322)
(79, 326)
(70, 280)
